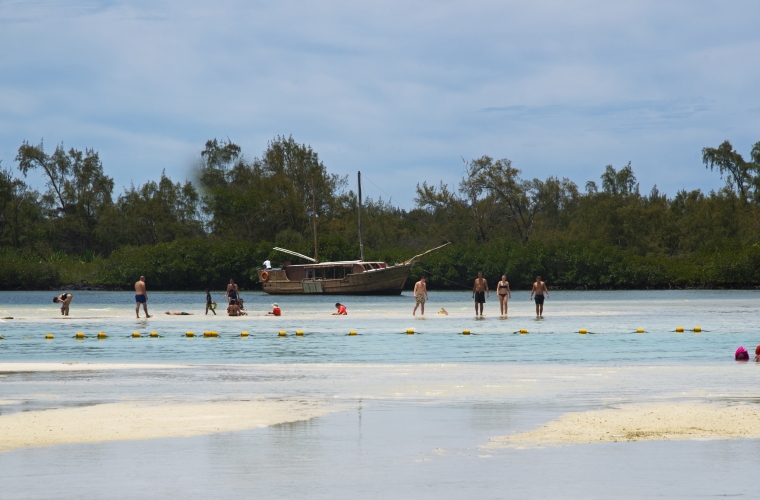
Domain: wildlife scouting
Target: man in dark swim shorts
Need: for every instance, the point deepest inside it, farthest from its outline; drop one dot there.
(539, 289)
(480, 292)
(141, 297)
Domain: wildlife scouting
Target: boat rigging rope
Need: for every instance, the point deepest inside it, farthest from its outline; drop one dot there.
(446, 279)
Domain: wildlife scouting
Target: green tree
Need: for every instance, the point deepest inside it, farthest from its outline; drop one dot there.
(78, 192)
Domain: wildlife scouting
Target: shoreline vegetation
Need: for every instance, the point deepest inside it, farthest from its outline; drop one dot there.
(224, 224)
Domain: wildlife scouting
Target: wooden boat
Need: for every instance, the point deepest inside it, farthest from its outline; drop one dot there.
(351, 277)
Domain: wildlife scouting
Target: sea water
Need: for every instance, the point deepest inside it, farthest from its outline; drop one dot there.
(727, 320)
(420, 406)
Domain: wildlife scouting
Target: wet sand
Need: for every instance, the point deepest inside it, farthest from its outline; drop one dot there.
(654, 422)
(147, 420)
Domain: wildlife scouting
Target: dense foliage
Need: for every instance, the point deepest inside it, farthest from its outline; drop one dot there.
(197, 234)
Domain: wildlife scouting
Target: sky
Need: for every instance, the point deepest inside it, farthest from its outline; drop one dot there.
(400, 90)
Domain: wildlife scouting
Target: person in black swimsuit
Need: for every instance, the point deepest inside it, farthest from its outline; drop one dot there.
(210, 304)
(232, 292)
(504, 295)
(539, 289)
(65, 300)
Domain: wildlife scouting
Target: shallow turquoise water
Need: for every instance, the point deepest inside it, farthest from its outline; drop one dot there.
(728, 318)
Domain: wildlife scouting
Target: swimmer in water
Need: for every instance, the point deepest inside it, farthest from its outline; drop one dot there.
(65, 301)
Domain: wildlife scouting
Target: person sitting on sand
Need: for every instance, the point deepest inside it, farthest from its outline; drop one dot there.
(234, 310)
(757, 354)
(275, 311)
(178, 313)
(65, 300)
(341, 310)
(741, 354)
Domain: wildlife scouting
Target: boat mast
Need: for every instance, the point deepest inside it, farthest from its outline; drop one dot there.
(314, 210)
(361, 244)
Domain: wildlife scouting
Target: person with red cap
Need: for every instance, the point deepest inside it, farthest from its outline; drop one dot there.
(741, 354)
(757, 354)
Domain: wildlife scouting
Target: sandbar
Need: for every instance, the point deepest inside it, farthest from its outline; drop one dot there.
(148, 420)
(650, 422)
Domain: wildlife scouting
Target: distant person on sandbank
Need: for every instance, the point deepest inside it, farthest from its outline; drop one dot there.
(539, 290)
(141, 297)
(210, 304)
(504, 294)
(480, 292)
(341, 310)
(232, 292)
(178, 313)
(234, 310)
(276, 311)
(420, 295)
(65, 300)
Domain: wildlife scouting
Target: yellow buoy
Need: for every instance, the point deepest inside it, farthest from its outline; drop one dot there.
(49, 336)
(465, 332)
(679, 329)
(154, 334)
(582, 331)
(135, 334)
(639, 330)
(410, 330)
(523, 330)
(214, 334)
(283, 333)
(206, 334)
(299, 332)
(80, 335)
(697, 329)
(243, 334)
(102, 335)
(1, 337)
(352, 332)
(189, 334)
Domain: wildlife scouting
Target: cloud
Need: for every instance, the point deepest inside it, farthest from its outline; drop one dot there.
(398, 90)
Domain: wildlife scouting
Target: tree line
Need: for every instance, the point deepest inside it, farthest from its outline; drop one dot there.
(605, 234)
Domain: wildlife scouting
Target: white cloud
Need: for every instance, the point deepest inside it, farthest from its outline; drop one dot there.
(399, 90)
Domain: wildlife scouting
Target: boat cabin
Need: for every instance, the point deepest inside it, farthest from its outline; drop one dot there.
(330, 270)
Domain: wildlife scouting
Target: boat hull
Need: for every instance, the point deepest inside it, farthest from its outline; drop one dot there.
(387, 281)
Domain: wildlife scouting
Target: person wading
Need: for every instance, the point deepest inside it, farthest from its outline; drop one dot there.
(480, 292)
(141, 297)
(420, 295)
(539, 289)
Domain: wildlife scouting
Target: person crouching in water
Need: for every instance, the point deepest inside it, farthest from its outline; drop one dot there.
(341, 310)
(65, 301)
(275, 311)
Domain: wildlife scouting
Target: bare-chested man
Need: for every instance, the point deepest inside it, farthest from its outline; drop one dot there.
(141, 297)
(539, 289)
(480, 292)
(420, 295)
(65, 300)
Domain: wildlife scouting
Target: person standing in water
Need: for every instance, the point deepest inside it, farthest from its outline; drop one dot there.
(504, 294)
(232, 292)
(141, 297)
(480, 292)
(539, 289)
(210, 304)
(65, 300)
(420, 295)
